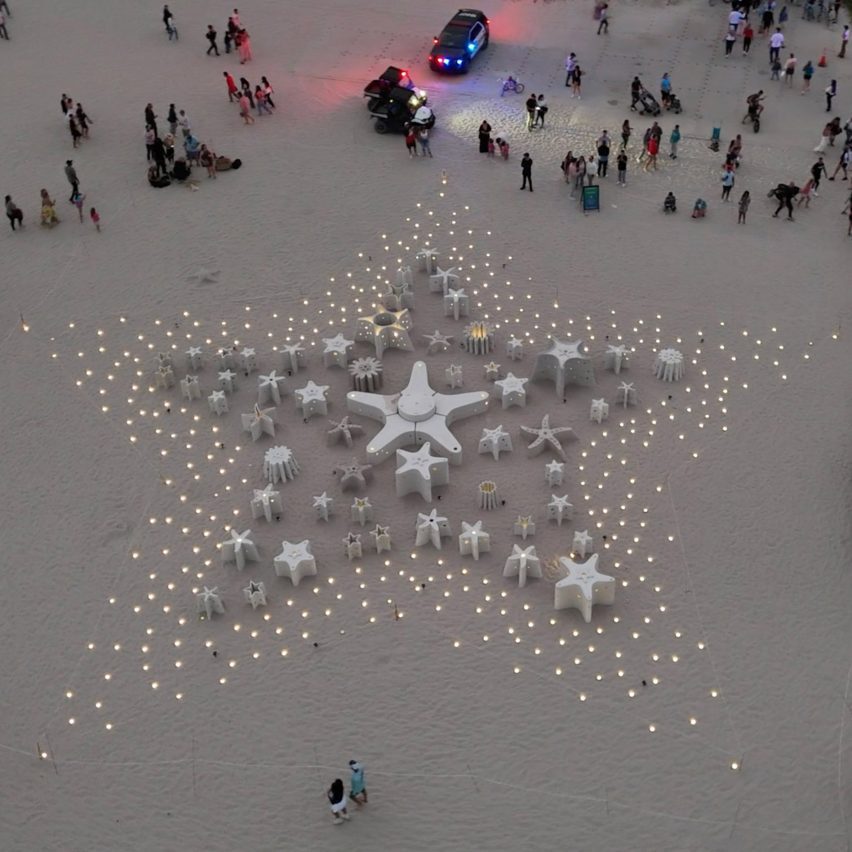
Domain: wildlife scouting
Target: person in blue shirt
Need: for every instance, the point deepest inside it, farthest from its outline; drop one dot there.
(357, 792)
(665, 89)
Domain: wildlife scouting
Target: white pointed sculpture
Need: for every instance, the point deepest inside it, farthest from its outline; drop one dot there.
(495, 441)
(164, 359)
(227, 381)
(226, 358)
(547, 437)
(583, 586)
(381, 538)
(292, 357)
(583, 544)
(385, 330)
(404, 276)
(312, 399)
(248, 359)
(280, 465)
(398, 296)
(361, 510)
(352, 546)
(492, 371)
(209, 601)
(511, 391)
(453, 375)
(615, 358)
(478, 338)
(443, 280)
(669, 365)
(194, 358)
(353, 475)
(553, 473)
(559, 509)
(599, 410)
(190, 388)
(473, 540)
(342, 431)
(366, 374)
(625, 394)
(259, 422)
(295, 561)
(523, 526)
(456, 304)
(323, 506)
(255, 594)
(427, 259)
(515, 348)
(218, 403)
(239, 548)
(564, 363)
(488, 497)
(431, 528)
(416, 415)
(164, 377)
(419, 471)
(271, 387)
(437, 342)
(337, 351)
(266, 503)
(522, 563)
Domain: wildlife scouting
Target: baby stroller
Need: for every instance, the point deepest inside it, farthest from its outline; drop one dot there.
(670, 204)
(673, 103)
(699, 210)
(648, 103)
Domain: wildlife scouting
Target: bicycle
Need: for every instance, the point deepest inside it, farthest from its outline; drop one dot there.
(510, 84)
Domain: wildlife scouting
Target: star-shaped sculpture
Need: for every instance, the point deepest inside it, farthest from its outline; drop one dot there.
(547, 437)
(515, 348)
(554, 472)
(323, 505)
(437, 342)
(312, 399)
(456, 304)
(427, 258)
(361, 510)
(271, 387)
(511, 390)
(227, 380)
(522, 563)
(386, 330)
(615, 357)
(398, 295)
(473, 540)
(248, 359)
(559, 509)
(337, 351)
(279, 464)
(381, 538)
(352, 546)
(416, 415)
(524, 526)
(239, 548)
(366, 374)
(293, 357)
(343, 431)
(564, 363)
(626, 394)
(218, 402)
(442, 280)
(495, 441)
(295, 561)
(353, 475)
(492, 371)
(259, 422)
(419, 471)
(583, 586)
(583, 543)
(255, 594)
(209, 601)
(194, 357)
(266, 502)
(430, 528)
(203, 275)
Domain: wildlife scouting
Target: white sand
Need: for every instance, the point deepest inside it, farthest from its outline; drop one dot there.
(747, 597)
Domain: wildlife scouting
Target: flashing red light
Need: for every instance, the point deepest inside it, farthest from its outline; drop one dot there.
(403, 74)
(434, 39)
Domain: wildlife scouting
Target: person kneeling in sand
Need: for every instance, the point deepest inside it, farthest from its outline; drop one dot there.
(157, 180)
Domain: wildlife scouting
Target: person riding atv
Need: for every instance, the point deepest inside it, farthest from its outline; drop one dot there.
(754, 105)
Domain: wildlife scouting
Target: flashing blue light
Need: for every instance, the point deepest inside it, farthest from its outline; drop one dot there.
(458, 62)
(471, 46)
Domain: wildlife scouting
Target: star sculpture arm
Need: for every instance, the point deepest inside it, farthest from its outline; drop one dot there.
(583, 586)
(416, 415)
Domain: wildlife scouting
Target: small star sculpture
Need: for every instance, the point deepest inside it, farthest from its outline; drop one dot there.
(473, 540)
(271, 387)
(203, 275)
(547, 437)
(564, 363)
(381, 538)
(239, 548)
(312, 399)
(227, 380)
(337, 351)
(431, 528)
(615, 358)
(343, 431)
(386, 330)
(266, 502)
(524, 526)
(492, 371)
(583, 543)
(248, 359)
(194, 357)
(255, 594)
(442, 280)
(522, 563)
(437, 342)
(295, 561)
(259, 422)
(583, 586)
(495, 441)
(427, 258)
(456, 304)
(353, 475)
(292, 357)
(554, 471)
(352, 546)
(209, 601)
(419, 471)
(361, 510)
(323, 506)
(511, 391)
(559, 509)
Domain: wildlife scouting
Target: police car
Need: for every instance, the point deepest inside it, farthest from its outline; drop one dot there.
(461, 40)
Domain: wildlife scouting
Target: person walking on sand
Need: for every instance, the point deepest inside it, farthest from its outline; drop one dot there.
(576, 82)
(541, 110)
(580, 170)
(76, 135)
(818, 169)
(790, 69)
(730, 40)
(337, 799)
(245, 109)
(742, 207)
(183, 123)
(4, 33)
(410, 141)
(843, 163)
(151, 117)
(674, 140)
(207, 158)
(48, 210)
(96, 219)
(824, 138)
(13, 213)
(245, 47)
(570, 64)
(83, 120)
(425, 145)
(653, 150)
(526, 171)
(4, 7)
(260, 101)
(233, 91)
(776, 42)
(484, 136)
(807, 74)
(626, 131)
(806, 192)
(603, 157)
(246, 89)
(158, 154)
(727, 184)
(172, 119)
(748, 35)
(150, 136)
(830, 93)
(844, 40)
(621, 165)
(604, 19)
(531, 105)
(210, 35)
(77, 201)
(357, 790)
(71, 175)
(268, 91)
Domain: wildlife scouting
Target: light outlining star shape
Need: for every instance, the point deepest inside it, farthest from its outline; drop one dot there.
(583, 586)
(547, 437)
(386, 330)
(416, 415)
(438, 342)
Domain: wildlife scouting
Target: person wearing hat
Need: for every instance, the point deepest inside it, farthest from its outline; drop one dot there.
(357, 792)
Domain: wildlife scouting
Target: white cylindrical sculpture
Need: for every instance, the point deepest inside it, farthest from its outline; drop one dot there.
(366, 374)
(669, 365)
(488, 497)
(279, 464)
(478, 338)
(218, 403)
(190, 388)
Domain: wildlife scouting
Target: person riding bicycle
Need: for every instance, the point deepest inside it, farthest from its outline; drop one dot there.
(755, 107)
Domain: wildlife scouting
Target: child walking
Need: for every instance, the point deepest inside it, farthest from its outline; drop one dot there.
(410, 140)
(77, 200)
(96, 219)
(745, 200)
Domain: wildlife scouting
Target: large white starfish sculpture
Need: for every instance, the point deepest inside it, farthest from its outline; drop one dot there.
(295, 561)
(583, 586)
(416, 415)
(564, 363)
(419, 471)
(386, 330)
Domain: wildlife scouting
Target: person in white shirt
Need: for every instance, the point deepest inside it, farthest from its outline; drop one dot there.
(735, 19)
(844, 40)
(776, 42)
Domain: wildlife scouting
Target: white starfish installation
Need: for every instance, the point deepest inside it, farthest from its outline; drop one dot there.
(474, 540)
(266, 502)
(511, 390)
(564, 363)
(523, 526)
(495, 441)
(615, 358)
(431, 528)
(547, 436)
(343, 431)
(385, 330)
(583, 543)
(381, 538)
(292, 357)
(323, 506)
(583, 586)
(259, 422)
(312, 399)
(271, 387)
(255, 594)
(442, 280)
(295, 561)
(419, 471)
(559, 509)
(239, 548)
(427, 258)
(554, 471)
(194, 358)
(438, 342)
(218, 402)
(416, 415)
(522, 563)
(227, 381)
(337, 351)
(209, 601)
(456, 304)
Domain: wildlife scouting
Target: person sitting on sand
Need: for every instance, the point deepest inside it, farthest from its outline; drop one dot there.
(182, 169)
(157, 180)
